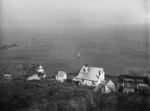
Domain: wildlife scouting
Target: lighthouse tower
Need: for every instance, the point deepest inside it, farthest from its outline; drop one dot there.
(40, 71)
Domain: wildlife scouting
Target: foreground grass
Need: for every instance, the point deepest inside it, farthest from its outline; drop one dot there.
(48, 95)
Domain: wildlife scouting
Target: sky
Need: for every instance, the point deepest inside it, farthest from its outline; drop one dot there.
(148, 7)
(56, 16)
(60, 13)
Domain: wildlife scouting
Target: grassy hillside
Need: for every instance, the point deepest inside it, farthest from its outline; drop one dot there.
(54, 96)
(50, 95)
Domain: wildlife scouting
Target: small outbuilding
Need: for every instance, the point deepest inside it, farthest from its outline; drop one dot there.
(110, 85)
(61, 76)
(105, 87)
(7, 77)
(131, 84)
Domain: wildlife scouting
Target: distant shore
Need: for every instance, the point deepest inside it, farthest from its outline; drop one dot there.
(29, 68)
(5, 47)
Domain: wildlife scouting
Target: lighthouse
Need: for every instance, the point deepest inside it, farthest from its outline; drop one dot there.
(40, 71)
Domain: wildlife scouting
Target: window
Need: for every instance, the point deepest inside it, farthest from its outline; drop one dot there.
(84, 70)
(99, 73)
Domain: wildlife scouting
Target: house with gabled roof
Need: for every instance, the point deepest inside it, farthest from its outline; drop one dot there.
(90, 76)
(61, 76)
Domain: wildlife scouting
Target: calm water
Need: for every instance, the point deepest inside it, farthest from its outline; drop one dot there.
(116, 50)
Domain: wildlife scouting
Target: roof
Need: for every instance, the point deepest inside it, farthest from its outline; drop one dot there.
(92, 73)
(143, 79)
(34, 77)
(132, 77)
(7, 75)
(110, 84)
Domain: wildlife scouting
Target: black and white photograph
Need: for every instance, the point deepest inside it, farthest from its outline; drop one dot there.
(74, 55)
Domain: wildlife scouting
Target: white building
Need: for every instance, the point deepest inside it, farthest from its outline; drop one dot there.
(7, 77)
(41, 74)
(109, 87)
(90, 76)
(61, 76)
(40, 69)
(34, 77)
